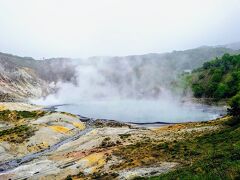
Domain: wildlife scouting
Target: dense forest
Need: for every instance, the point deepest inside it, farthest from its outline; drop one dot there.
(219, 79)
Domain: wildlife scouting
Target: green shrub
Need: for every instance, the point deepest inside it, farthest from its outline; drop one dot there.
(234, 109)
(198, 90)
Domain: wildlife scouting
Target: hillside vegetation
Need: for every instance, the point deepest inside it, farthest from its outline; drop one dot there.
(212, 156)
(218, 79)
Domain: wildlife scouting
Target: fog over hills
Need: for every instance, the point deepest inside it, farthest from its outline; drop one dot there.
(235, 45)
(136, 75)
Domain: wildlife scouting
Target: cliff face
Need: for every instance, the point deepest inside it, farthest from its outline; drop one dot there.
(17, 82)
(22, 78)
(21, 84)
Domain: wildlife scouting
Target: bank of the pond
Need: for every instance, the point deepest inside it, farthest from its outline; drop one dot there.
(64, 145)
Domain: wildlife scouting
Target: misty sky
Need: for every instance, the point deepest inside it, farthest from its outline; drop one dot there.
(77, 28)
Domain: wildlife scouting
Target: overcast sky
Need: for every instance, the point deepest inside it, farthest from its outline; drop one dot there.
(81, 28)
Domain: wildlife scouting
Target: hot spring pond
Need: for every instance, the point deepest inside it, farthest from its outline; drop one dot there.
(143, 111)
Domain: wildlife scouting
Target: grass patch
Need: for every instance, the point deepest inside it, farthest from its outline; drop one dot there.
(7, 115)
(17, 134)
(106, 142)
(212, 156)
(124, 136)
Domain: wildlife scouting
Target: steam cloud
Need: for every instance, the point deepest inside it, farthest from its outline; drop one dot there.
(109, 79)
(123, 90)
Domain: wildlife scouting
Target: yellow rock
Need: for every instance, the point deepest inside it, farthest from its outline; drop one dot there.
(79, 125)
(95, 158)
(93, 161)
(2, 108)
(60, 129)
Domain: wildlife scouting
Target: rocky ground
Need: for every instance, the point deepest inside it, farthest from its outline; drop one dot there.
(37, 144)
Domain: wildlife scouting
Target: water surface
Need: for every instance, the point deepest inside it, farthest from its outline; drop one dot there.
(144, 111)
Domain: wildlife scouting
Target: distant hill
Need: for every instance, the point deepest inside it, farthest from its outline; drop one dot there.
(234, 46)
(180, 60)
(151, 75)
(22, 77)
(54, 69)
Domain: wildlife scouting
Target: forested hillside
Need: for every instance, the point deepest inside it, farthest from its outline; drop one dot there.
(218, 79)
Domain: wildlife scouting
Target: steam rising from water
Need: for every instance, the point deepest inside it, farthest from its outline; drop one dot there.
(107, 78)
(124, 90)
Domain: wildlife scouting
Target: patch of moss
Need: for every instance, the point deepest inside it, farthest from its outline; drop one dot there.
(107, 143)
(30, 114)
(68, 177)
(124, 136)
(97, 175)
(7, 115)
(17, 134)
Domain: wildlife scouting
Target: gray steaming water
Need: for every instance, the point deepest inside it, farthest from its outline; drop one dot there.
(144, 111)
(127, 90)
